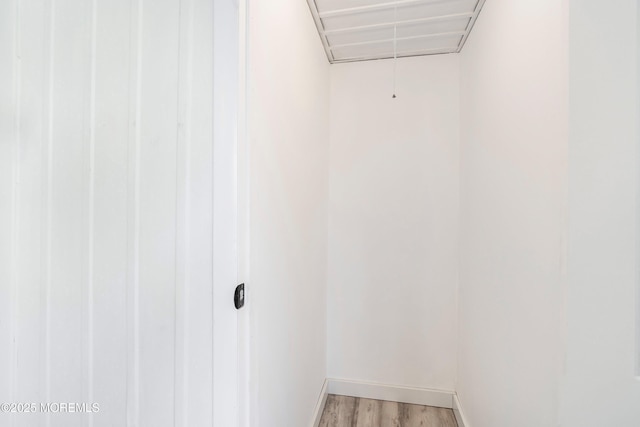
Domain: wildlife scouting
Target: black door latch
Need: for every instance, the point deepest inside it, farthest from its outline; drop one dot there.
(238, 297)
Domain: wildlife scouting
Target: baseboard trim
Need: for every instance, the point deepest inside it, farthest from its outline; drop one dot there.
(457, 411)
(322, 400)
(392, 393)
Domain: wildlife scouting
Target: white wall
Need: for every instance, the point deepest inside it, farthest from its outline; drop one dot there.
(393, 213)
(513, 203)
(599, 387)
(288, 131)
(106, 188)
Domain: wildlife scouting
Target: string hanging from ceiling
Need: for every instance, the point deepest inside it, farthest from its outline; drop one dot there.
(395, 47)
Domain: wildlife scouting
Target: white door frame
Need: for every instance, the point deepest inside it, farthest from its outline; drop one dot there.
(243, 174)
(226, 224)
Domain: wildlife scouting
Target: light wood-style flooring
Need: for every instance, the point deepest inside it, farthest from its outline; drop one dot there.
(344, 411)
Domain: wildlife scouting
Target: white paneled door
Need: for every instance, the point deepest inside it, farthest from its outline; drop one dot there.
(118, 213)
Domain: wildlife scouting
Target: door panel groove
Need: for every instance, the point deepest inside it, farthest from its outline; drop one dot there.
(88, 214)
(133, 221)
(48, 185)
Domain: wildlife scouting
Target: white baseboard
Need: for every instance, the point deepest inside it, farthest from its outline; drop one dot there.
(322, 399)
(392, 393)
(457, 411)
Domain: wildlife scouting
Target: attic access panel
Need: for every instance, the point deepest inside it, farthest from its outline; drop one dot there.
(360, 30)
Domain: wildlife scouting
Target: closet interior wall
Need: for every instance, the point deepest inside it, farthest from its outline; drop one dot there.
(393, 222)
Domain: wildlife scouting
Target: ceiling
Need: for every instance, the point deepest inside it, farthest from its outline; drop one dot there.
(360, 30)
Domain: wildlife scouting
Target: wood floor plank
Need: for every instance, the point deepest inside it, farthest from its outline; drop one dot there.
(345, 411)
(327, 419)
(426, 416)
(446, 417)
(413, 415)
(368, 413)
(389, 414)
(339, 411)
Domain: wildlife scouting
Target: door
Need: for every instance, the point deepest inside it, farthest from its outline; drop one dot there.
(118, 216)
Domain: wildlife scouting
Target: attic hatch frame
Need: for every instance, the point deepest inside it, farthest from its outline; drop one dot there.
(319, 17)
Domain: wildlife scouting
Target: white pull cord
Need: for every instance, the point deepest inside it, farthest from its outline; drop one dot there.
(395, 46)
